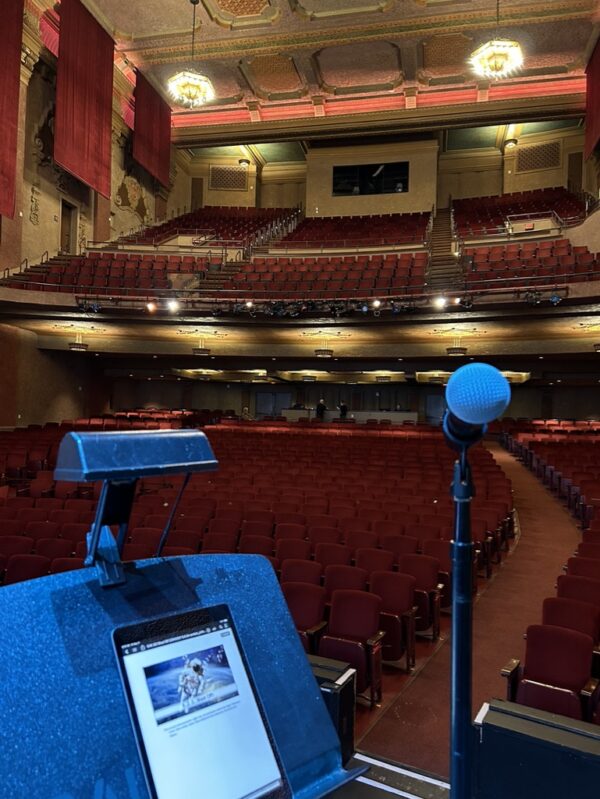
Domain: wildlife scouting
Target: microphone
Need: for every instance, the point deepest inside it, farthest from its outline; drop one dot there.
(476, 394)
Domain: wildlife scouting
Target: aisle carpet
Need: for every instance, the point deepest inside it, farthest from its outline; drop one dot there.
(415, 728)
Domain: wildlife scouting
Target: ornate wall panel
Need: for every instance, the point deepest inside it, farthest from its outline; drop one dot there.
(228, 178)
(539, 156)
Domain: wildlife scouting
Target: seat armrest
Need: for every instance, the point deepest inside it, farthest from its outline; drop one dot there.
(376, 639)
(511, 672)
(318, 628)
(590, 687)
(510, 668)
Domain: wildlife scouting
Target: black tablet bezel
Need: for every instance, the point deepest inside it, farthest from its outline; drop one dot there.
(185, 622)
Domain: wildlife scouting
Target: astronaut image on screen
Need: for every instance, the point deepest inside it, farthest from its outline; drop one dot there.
(190, 683)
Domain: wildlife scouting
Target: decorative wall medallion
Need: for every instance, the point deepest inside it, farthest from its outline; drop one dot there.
(130, 195)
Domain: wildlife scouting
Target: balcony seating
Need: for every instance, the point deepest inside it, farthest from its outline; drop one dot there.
(359, 231)
(480, 216)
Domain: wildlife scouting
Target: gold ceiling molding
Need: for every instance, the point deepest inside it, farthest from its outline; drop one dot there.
(241, 14)
(167, 48)
(274, 77)
(331, 9)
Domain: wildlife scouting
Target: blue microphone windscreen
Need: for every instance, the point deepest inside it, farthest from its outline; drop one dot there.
(477, 393)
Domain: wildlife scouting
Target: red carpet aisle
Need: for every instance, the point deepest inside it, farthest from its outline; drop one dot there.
(415, 729)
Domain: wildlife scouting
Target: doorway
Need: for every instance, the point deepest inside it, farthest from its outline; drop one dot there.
(575, 172)
(68, 228)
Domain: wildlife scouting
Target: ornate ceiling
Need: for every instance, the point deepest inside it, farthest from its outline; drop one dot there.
(293, 68)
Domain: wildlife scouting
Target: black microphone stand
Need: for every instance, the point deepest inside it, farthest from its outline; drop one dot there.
(461, 736)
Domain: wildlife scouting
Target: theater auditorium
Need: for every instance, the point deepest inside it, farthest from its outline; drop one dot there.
(287, 224)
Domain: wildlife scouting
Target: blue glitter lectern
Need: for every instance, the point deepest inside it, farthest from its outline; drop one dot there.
(66, 731)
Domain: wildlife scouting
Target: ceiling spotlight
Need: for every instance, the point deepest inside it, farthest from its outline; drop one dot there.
(597, 348)
(201, 349)
(383, 379)
(440, 303)
(172, 305)
(245, 162)
(78, 345)
(309, 379)
(510, 144)
(151, 306)
(456, 350)
(324, 352)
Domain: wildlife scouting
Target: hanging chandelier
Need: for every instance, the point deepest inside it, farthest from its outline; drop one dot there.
(189, 88)
(499, 58)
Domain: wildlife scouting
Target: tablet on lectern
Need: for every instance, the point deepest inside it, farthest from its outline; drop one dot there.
(198, 724)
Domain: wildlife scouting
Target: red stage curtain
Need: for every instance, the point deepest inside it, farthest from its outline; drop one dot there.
(84, 82)
(592, 112)
(11, 35)
(152, 131)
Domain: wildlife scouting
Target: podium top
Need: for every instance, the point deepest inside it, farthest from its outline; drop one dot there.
(86, 457)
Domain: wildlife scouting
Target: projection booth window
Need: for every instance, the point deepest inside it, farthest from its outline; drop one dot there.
(370, 179)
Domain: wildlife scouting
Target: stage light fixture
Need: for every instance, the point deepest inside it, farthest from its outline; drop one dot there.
(439, 303)
(172, 306)
(151, 306)
(249, 304)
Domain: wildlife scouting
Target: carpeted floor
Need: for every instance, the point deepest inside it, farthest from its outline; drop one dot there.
(414, 730)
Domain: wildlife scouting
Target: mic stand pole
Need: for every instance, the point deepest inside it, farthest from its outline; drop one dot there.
(462, 625)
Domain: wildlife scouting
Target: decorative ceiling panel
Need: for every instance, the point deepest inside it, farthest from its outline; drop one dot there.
(239, 14)
(327, 9)
(446, 50)
(354, 68)
(273, 77)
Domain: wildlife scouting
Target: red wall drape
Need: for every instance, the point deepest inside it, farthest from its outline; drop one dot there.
(592, 105)
(152, 131)
(84, 82)
(11, 35)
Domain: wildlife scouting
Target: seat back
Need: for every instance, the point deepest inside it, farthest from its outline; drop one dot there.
(294, 570)
(374, 559)
(558, 656)
(572, 614)
(354, 614)
(25, 567)
(584, 567)
(424, 569)
(306, 603)
(396, 591)
(585, 589)
(340, 576)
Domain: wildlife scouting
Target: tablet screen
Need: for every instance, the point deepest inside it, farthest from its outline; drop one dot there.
(198, 725)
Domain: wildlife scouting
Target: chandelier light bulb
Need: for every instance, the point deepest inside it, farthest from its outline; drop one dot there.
(497, 59)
